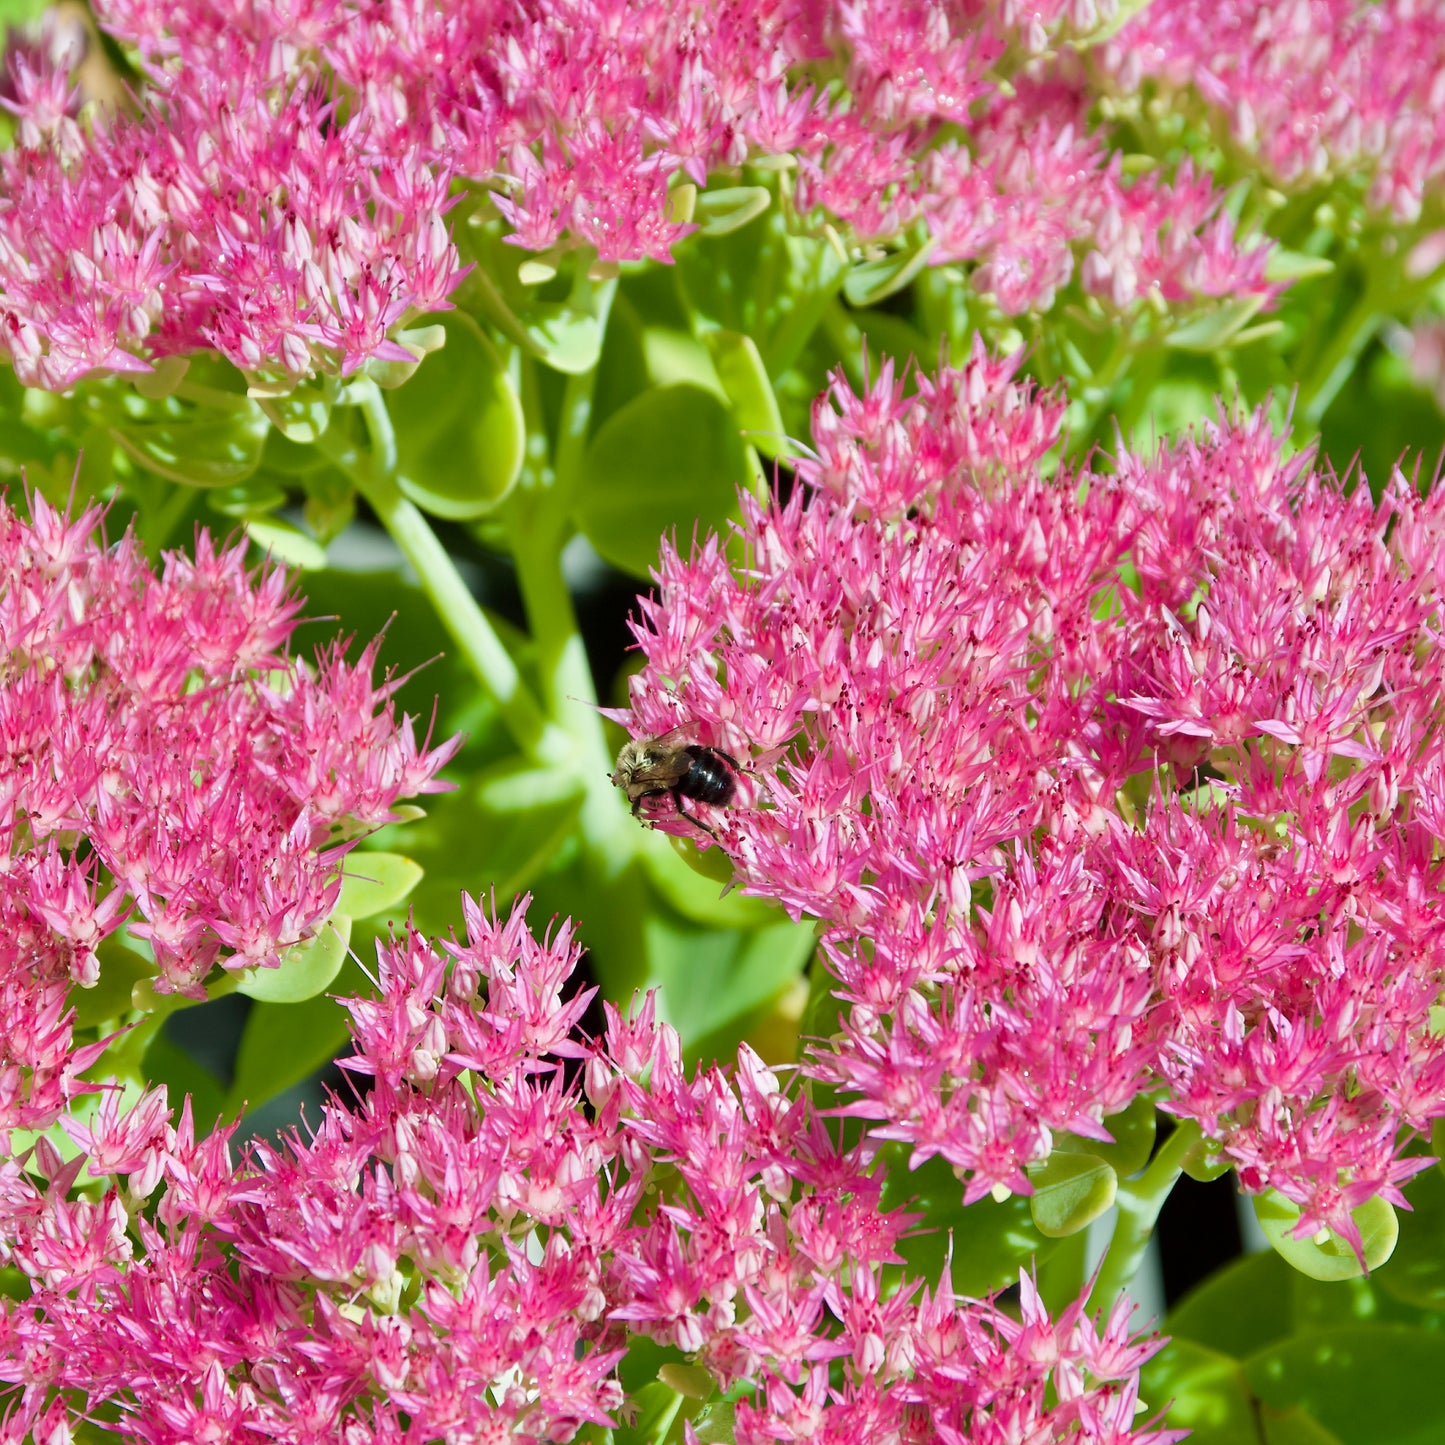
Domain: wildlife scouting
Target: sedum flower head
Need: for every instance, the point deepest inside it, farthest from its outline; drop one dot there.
(167, 773)
(1100, 782)
(280, 193)
(1316, 91)
(466, 1251)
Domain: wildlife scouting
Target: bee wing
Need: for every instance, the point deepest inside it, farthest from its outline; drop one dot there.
(675, 737)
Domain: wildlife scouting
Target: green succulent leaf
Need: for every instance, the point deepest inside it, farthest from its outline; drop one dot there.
(1204, 1162)
(1207, 1393)
(1286, 265)
(286, 543)
(460, 434)
(683, 874)
(720, 212)
(121, 968)
(1329, 1257)
(567, 339)
(1070, 1192)
(745, 380)
(711, 978)
(1216, 328)
(870, 282)
(199, 446)
(374, 881)
(1415, 1273)
(1133, 1130)
(305, 970)
(654, 1408)
(990, 1242)
(285, 1043)
(302, 415)
(1238, 1309)
(1367, 1384)
(670, 460)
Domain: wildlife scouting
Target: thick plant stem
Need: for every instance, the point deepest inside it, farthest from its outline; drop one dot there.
(540, 522)
(1139, 1203)
(1337, 363)
(576, 417)
(459, 611)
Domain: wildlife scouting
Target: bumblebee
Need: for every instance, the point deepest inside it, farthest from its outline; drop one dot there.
(667, 767)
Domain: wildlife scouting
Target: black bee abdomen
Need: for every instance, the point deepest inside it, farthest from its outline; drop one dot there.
(710, 779)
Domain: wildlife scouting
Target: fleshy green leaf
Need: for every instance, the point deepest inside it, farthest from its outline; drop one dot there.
(567, 339)
(1070, 1192)
(1210, 1394)
(286, 543)
(165, 375)
(1216, 328)
(121, 968)
(526, 812)
(373, 882)
(302, 415)
(870, 282)
(716, 1424)
(1332, 1304)
(1331, 1258)
(683, 875)
(1368, 1384)
(284, 1044)
(720, 212)
(1295, 266)
(763, 282)
(1133, 1130)
(499, 830)
(991, 1242)
(200, 446)
(1173, 407)
(286, 459)
(251, 499)
(653, 1409)
(1294, 1427)
(1205, 1163)
(305, 970)
(712, 977)
(671, 459)
(421, 341)
(169, 1064)
(1416, 1271)
(745, 380)
(691, 1381)
(460, 435)
(678, 358)
(1238, 1309)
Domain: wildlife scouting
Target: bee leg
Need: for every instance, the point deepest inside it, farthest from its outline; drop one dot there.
(696, 822)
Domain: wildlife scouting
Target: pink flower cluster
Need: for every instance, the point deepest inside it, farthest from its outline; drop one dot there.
(464, 1253)
(1314, 89)
(280, 194)
(1035, 187)
(165, 769)
(1101, 782)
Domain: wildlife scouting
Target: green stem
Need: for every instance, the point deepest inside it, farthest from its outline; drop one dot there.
(1338, 359)
(1063, 1274)
(375, 476)
(1139, 1203)
(539, 518)
(576, 419)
